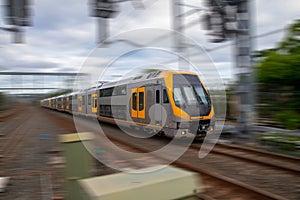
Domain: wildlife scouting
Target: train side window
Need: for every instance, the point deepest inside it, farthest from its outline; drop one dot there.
(83, 100)
(119, 90)
(141, 101)
(157, 98)
(79, 102)
(134, 100)
(89, 99)
(101, 93)
(109, 92)
(165, 96)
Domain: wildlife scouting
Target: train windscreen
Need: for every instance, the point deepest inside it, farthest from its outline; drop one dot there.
(188, 92)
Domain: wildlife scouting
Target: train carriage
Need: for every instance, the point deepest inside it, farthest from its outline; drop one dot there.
(68, 103)
(74, 102)
(175, 104)
(165, 102)
(92, 102)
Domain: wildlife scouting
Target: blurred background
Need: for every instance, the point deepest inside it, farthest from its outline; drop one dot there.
(44, 43)
(249, 49)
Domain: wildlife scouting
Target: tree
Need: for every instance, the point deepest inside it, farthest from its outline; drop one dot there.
(280, 66)
(278, 76)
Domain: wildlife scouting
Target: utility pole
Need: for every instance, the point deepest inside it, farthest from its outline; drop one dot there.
(17, 14)
(103, 10)
(243, 49)
(177, 25)
(230, 20)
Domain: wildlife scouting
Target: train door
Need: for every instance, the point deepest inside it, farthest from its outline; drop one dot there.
(157, 106)
(79, 103)
(94, 103)
(138, 104)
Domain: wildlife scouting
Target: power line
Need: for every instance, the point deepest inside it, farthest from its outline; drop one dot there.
(253, 37)
(231, 43)
(43, 73)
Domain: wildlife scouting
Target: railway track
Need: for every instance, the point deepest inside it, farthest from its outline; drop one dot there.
(11, 112)
(12, 136)
(24, 156)
(279, 161)
(217, 184)
(213, 178)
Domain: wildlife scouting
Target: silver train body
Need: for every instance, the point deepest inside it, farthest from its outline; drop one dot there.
(170, 103)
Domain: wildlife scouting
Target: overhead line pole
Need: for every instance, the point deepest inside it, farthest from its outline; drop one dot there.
(243, 49)
(178, 27)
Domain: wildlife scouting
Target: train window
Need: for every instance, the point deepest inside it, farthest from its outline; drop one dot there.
(110, 91)
(105, 110)
(75, 97)
(141, 101)
(95, 103)
(106, 92)
(165, 96)
(201, 94)
(189, 93)
(115, 91)
(178, 97)
(123, 90)
(89, 99)
(157, 98)
(119, 90)
(79, 102)
(134, 100)
(83, 100)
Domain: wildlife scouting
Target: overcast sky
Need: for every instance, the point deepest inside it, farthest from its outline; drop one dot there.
(63, 35)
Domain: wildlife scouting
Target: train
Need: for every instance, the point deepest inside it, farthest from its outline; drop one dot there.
(175, 104)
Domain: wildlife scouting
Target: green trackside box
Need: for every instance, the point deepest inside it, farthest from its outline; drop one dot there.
(78, 161)
(147, 184)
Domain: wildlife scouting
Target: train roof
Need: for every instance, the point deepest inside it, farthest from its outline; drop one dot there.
(143, 77)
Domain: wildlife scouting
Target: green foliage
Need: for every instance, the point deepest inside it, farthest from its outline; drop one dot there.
(59, 92)
(281, 141)
(280, 70)
(289, 119)
(291, 44)
(278, 77)
(280, 65)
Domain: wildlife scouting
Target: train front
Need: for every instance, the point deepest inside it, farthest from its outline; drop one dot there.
(191, 105)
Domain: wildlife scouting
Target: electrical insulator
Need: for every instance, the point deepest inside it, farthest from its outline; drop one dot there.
(103, 8)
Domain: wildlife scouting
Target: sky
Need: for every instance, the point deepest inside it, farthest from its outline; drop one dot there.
(63, 39)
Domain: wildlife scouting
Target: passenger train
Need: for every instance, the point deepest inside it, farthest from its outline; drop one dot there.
(170, 103)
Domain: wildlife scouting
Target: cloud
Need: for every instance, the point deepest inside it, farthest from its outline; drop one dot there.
(63, 34)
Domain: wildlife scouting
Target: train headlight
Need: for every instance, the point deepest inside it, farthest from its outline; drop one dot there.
(183, 132)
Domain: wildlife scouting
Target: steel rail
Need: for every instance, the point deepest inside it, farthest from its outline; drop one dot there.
(223, 178)
(249, 159)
